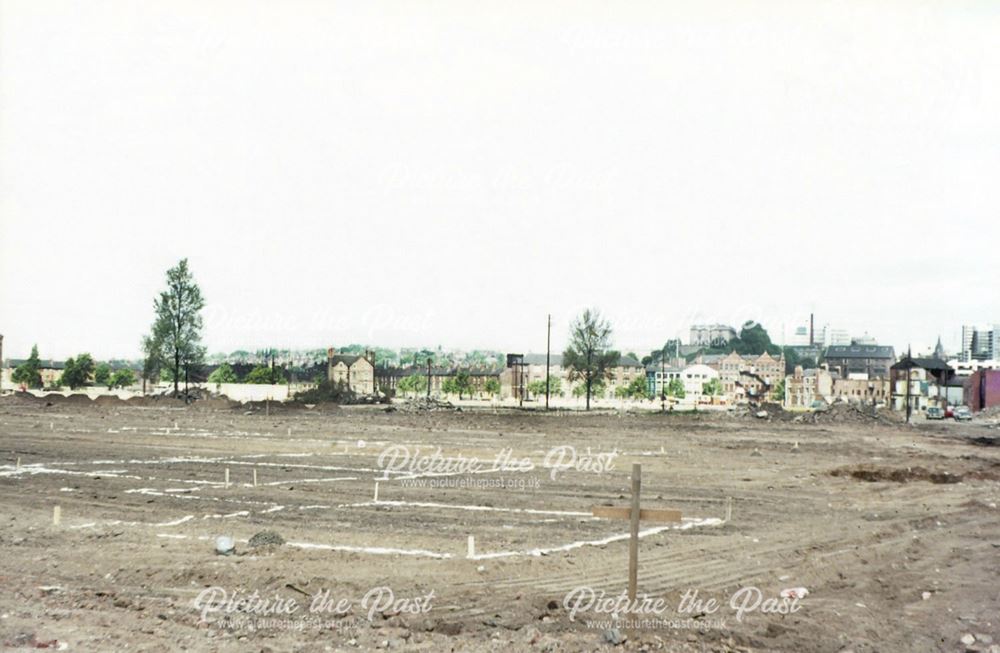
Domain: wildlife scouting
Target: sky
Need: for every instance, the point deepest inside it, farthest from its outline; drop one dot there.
(449, 173)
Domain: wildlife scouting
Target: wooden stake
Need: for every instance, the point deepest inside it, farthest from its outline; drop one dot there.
(729, 509)
(227, 477)
(633, 542)
(18, 466)
(56, 515)
(472, 547)
(375, 500)
(255, 477)
(635, 514)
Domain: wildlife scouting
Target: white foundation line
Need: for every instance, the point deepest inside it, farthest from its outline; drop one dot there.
(686, 524)
(450, 506)
(376, 550)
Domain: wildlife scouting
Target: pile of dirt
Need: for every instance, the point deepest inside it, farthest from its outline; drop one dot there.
(21, 399)
(851, 413)
(421, 404)
(156, 401)
(220, 402)
(872, 474)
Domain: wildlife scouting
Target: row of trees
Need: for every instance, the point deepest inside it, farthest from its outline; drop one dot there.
(261, 374)
(79, 371)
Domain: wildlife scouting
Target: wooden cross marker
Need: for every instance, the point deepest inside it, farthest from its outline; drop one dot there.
(635, 514)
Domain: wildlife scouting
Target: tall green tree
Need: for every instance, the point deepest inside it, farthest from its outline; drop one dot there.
(77, 371)
(265, 375)
(176, 334)
(28, 373)
(589, 357)
(223, 374)
(102, 374)
(638, 388)
(492, 387)
(415, 383)
(122, 378)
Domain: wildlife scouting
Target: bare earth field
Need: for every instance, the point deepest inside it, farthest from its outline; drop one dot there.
(894, 531)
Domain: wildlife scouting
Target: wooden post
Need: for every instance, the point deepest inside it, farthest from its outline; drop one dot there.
(267, 407)
(633, 542)
(18, 466)
(375, 500)
(56, 515)
(227, 477)
(472, 547)
(255, 477)
(635, 514)
(729, 509)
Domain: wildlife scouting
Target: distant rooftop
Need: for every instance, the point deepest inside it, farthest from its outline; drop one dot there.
(860, 351)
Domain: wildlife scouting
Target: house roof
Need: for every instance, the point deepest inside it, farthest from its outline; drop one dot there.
(42, 364)
(346, 359)
(931, 364)
(670, 369)
(539, 359)
(628, 361)
(860, 351)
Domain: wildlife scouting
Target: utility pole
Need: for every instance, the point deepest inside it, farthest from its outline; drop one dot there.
(663, 379)
(548, 360)
(909, 369)
(428, 377)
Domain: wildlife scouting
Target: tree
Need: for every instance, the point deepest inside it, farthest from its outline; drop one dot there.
(778, 391)
(122, 378)
(638, 388)
(176, 332)
(102, 375)
(676, 389)
(463, 385)
(491, 387)
(597, 389)
(712, 387)
(77, 372)
(415, 383)
(589, 357)
(754, 340)
(223, 374)
(265, 375)
(27, 373)
(537, 387)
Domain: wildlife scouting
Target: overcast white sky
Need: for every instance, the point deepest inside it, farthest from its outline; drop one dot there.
(424, 173)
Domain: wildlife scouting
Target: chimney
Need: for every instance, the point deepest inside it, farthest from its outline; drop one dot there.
(812, 333)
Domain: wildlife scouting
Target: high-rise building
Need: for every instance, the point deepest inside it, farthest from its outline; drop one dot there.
(980, 343)
(829, 336)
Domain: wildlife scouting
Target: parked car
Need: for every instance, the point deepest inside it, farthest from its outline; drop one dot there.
(934, 412)
(962, 413)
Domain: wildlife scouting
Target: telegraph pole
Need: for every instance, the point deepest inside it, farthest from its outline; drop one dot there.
(909, 369)
(428, 377)
(548, 360)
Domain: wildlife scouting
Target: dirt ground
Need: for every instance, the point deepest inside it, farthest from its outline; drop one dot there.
(893, 530)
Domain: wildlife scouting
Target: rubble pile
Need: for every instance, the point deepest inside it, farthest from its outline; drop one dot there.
(421, 404)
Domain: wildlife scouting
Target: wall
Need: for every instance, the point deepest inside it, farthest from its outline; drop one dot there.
(983, 390)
